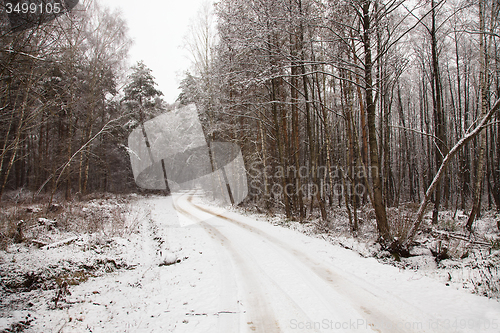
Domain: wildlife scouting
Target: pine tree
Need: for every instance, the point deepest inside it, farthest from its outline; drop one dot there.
(141, 93)
(141, 90)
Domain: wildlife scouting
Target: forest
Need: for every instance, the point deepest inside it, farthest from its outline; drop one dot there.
(335, 104)
(65, 118)
(355, 103)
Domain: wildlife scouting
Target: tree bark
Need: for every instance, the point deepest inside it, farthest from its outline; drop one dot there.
(478, 186)
(377, 199)
(439, 121)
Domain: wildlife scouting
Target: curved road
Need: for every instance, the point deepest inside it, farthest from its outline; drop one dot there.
(276, 280)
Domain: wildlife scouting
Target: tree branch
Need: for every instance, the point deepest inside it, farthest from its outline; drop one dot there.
(442, 169)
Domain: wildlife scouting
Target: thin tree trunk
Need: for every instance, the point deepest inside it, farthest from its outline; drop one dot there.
(483, 105)
(364, 134)
(279, 142)
(439, 121)
(350, 196)
(377, 199)
(264, 161)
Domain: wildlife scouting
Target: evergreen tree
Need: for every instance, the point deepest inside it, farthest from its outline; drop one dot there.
(141, 92)
(142, 95)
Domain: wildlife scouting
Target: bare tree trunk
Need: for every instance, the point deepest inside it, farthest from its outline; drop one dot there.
(318, 123)
(364, 135)
(478, 186)
(496, 172)
(299, 205)
(463, 155)
(279, 142)
(68, 156)
(264, 161)
(295, 143)
(286, 148)
(377, 199)
(406, 149)
(350, 196)
(439, 120)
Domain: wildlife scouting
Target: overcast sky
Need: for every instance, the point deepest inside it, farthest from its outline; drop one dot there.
(158, 28)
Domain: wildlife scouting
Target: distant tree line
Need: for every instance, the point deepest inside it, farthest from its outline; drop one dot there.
(63, 119)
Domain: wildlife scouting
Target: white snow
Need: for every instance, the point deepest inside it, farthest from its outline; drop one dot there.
(200, 268)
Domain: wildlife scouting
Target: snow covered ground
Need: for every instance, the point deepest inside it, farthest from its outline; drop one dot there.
(185, 266)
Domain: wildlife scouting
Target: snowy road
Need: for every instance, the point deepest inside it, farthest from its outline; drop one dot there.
(239, 274)
(276, 280)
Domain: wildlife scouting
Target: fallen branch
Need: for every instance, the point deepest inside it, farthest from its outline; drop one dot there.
(60, 243)
(442, 168)
(39, 243)
(439, 233)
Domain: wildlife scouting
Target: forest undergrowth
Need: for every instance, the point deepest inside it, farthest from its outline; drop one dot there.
(47, 249)
(445, 251)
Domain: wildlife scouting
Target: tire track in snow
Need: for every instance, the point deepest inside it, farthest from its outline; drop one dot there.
(374, 308)
(295, 293)
(259, 311)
